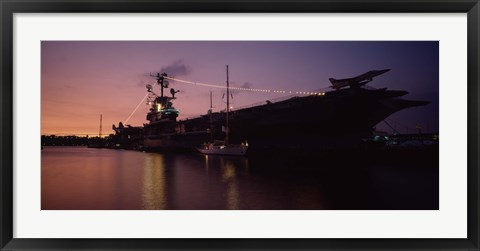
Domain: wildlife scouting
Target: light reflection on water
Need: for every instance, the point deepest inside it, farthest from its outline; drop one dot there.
(154, 190)
(228, 177)
(96, 179)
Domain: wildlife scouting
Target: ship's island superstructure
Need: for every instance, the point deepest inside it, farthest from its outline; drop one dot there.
(335, 119)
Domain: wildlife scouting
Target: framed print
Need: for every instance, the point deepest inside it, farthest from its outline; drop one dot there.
(239, 125)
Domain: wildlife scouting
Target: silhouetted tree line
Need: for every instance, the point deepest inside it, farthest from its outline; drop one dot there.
(53, 140)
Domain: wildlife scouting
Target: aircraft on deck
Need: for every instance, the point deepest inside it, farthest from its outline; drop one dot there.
(356, 81)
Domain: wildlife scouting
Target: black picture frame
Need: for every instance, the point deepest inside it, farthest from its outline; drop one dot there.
(9, 7)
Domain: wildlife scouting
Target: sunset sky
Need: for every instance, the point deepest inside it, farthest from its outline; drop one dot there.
(82, 79)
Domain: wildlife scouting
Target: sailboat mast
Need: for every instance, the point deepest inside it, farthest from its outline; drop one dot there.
(228, 108)
(211, 123)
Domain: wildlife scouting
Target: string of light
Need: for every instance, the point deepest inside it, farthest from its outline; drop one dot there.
(246, 89)
(136, 108)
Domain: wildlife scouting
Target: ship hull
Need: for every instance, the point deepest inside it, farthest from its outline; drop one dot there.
(336, 120)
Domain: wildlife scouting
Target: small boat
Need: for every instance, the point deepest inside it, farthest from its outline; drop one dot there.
(218, 147)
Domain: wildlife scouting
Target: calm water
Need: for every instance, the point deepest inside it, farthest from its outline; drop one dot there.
(84, 178)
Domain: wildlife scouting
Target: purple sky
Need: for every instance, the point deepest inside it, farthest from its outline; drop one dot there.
(81, 80)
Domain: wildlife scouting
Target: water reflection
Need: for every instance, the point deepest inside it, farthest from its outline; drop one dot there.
(154, 182)
(93, 179)
(227, 167)
(229, 177)
(206, 163)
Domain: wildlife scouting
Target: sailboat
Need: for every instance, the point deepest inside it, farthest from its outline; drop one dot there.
(218, 147)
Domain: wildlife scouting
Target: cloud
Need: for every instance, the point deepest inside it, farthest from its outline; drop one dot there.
(176, 69)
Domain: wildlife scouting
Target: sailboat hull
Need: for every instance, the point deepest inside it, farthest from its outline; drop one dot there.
(223, 150)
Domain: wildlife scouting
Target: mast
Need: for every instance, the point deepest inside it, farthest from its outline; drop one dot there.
(211, 123)
(211, 101)
(228, 108)
(160, 82)
(100, 133)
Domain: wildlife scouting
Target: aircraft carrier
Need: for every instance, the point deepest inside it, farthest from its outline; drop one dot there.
(337, 119)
